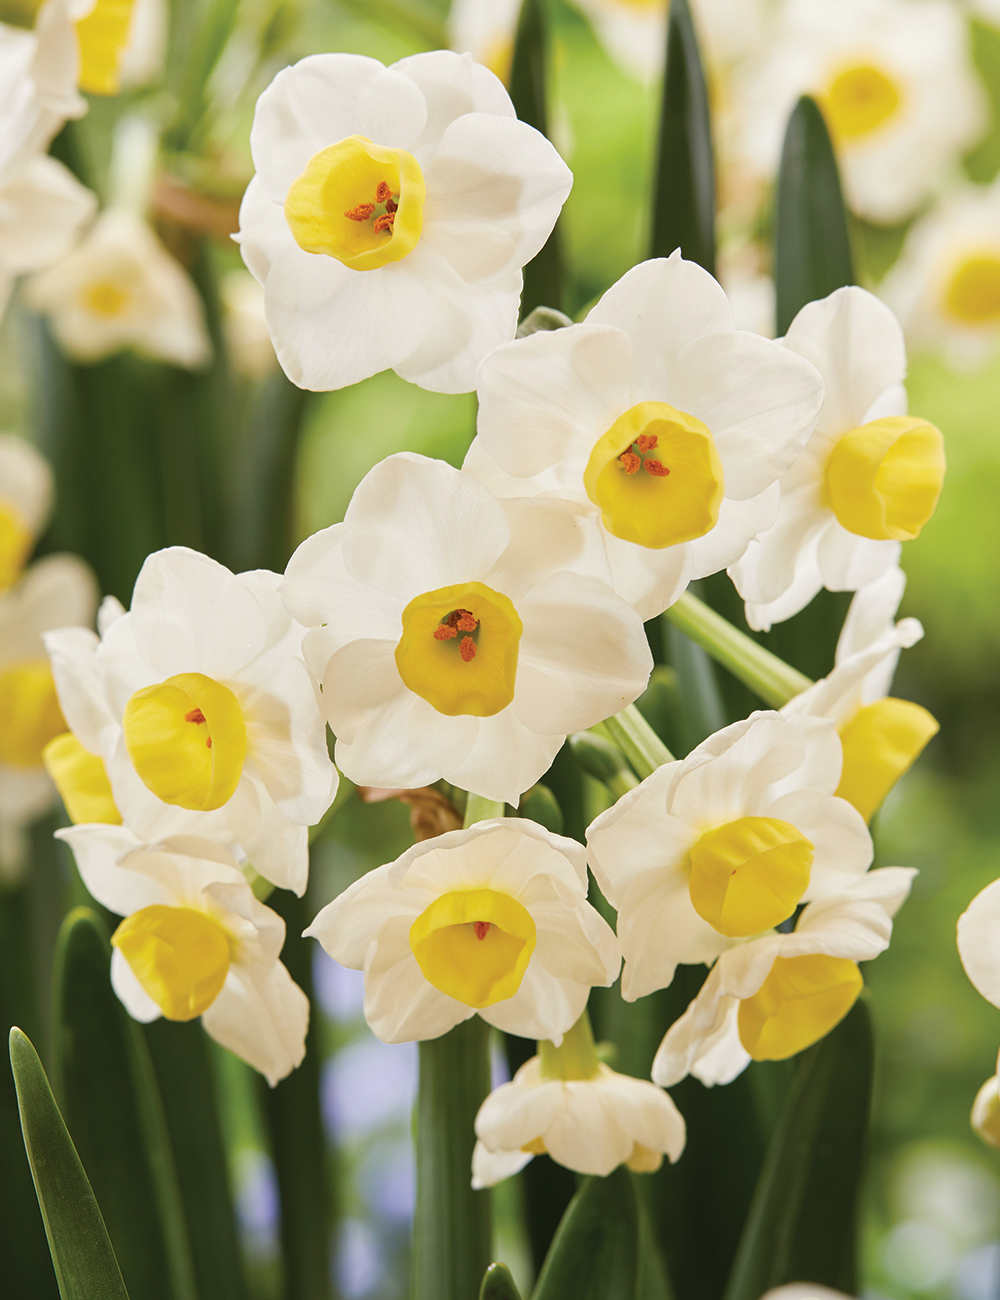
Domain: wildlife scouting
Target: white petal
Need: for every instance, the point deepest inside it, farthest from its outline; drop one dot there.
(650, 580)
(452, 85)
(978, 946)
(43, 210)
(506, 758)
(848, 562)
(130, 992)
(492, 1167)
(647, 1114)
(636, 834)
(121, 889)
(545, 1006)
(582, 1137)
(871, 613)
(400, 1005)
(262, 1015)
(738, 524)
(843, 846)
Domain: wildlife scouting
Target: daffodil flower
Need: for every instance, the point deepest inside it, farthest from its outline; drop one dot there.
(485, 29)
(869, 477)
(25, 503)
(202, 711)
(491, 920)
(459, 636)
(195, 942)
(391, 214)
(778, 993)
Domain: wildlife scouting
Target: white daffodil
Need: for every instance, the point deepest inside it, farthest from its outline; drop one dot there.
(459, 636)
(869, 477)
(25, 503)
(485, 29)
(657, 417)
(247, 341)
(985, 1117)
(37, 89)
(203, 712)
(804, 1291)
(724, 845)
(881, 737)
(897, 86)
(391, 214)
(978, 933)
(769, 998)
(120, 288)
(54, 591)
(92, 45)
(195, 942)
(945, 288)
(565, 1103)
(493, 919)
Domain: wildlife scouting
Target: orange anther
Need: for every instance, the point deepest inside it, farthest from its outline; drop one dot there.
(629, 462)
(196, 716)
(391, 205)
(383, 193)
(482, 929)
(384, 222)
(467, 649)
(444, 632)
(361, 213)
(466, 622)
(657, 468)
(646, 441)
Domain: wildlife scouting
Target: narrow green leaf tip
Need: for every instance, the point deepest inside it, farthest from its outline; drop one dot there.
(498, 1284)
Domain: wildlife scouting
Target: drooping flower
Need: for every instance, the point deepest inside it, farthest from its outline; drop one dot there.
(869, 477)
(53, 591)
(776, 995)
(658, 418)
(485, 29)
(881, 736)
(25, 503)
(457, 636)
(725, 844)
(804, 1291)
(493, 919)
(565, 1103)
(195, 942)
(897, 86)
(391, 214)
(945, 287)
(203, 712)
(120, 288)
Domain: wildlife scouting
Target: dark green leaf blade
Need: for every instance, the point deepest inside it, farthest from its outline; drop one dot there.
(812, 251)
(802, 1223)
(113, 1109)
(684, 188)
(498, 1284)
(81, 1250)
(594, 1254)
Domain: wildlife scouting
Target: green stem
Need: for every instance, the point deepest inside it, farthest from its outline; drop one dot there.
(637, 740)
(768, 676)
(576, 1056)
(478, 809)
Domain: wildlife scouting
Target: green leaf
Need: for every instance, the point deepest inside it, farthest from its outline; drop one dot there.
(113, 1109)
(498, 1284)
(684, 187)
(594, 1254)
(529, 73)
(802, 1223)
(539, 805)
(82, 1256)
(812, 251)
(451, 1227)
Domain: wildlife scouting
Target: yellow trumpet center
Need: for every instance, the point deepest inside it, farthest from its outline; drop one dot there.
(748, 875)
(859, 100)
(15, 543)
(102, 36)
(359, 203)
(29, 712)
(880, 743)
(187, 740)
(474, 945)
(656, 476)
(459, 649)
(105, 298)
(800, 1001)
(883, 479)
(972, 295)
(82, 781)
(180, 956)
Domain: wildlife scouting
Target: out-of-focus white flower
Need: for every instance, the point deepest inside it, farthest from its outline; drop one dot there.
(54, 591)
(145, 50)
(881, 737)
(25, 503)
(485, 29)
(985, 1117)
(945, 287)
(247, 340)
(120, 288)
(195, 942)
(459, 636)
(391, 214)
(37, 88)
(896, 83)
(869, 477)
(776, 995)
(493, 919)
(751, 296)
(201, 708)
(724, 845)
(658, 418)
(804, 1291)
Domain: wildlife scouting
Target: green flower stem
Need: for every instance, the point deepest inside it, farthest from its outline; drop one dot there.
(575, 1058)
(603, 760)
(478, 809)
(637, 740)
(767, 676)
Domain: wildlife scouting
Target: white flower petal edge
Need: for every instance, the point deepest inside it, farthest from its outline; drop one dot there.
(804, 1291)
(368, 928)
(26, 483)
(260, 1013)
(590, 1125)
(43, 210)
(978, 932)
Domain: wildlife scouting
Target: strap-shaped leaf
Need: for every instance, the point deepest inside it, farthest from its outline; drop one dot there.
(812, 252)
(498, 1284)
(82, 1256)
(802, 1223)
(113, 1109)
(594, 1254)
(684, 188)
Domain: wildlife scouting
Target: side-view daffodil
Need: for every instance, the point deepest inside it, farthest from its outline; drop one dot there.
(25, 503)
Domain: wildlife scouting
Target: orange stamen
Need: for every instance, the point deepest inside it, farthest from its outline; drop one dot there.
(646, 441)
(391, 205)
(444, 633)
(361, 213)
(384, 222)
(629, 462)
(482, 929)
(196, 716)
(657, 468)
(466, 622)
(383, 193)
(467, 649)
